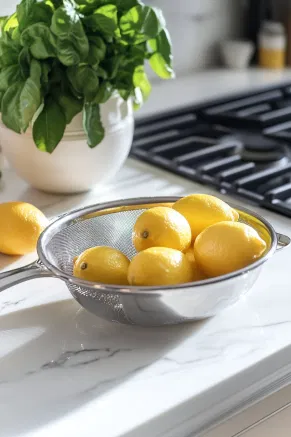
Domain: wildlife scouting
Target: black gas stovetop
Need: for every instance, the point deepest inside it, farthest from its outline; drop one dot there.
(240, 145)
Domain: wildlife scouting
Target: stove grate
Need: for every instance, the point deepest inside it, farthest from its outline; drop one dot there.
(239, 146)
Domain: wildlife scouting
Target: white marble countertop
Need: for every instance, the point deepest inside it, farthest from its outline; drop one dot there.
(64, 372)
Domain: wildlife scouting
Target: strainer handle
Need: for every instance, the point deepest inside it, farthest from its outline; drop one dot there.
(31, 271)
(282, 241)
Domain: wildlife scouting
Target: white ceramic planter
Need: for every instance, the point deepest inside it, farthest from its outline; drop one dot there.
(73, 167)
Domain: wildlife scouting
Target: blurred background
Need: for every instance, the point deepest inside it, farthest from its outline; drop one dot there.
(198, 29)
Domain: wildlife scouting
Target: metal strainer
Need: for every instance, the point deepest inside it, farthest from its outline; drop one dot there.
(111, 224)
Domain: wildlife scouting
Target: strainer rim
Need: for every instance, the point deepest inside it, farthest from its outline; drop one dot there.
(71, 216)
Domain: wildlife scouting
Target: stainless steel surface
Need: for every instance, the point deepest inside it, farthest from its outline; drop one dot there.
(111, 224)
(16, 276)
(282, 241)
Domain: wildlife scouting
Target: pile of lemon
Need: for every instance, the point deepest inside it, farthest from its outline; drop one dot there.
(198, 237)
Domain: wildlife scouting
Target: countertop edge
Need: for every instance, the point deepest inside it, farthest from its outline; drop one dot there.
(238, 396)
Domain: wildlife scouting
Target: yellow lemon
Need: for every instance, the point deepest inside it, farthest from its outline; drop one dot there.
(160, 266)
(102, 264)
(198, 275)
(20, 227)
(227, 246)
(203, 210)
(161, 227)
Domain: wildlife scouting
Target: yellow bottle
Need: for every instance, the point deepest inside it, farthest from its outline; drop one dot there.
(272, 45)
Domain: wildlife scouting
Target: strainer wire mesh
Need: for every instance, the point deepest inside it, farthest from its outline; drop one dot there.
(107, 227)
(113, 229)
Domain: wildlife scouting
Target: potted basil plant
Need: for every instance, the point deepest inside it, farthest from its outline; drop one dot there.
(71, 72)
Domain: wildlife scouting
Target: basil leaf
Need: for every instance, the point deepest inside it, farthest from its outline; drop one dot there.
(84, 80)
(70, 105)
(66, 21)
(121, 4)
(97, 50)
(124, 79)
(10, 108)
(104, 20)
(10, 23)
(93, 57)
(31, 12)
(162, 65)
(87, 7)
(1, 98)
(136, 53)
(9, 51)
(25, 12)
(92, 124)
(72, 43)
(43, 12)
(39, 39)
(141, 81)
(111, 66)
(141, 23)
(30, 100)
(160, 17)
(45, 70)
(35, 71)
(45, 79)
(9, 75)
(16, 35)
(57, 3)
(49, 127)
(58, 72)
(104, 92)
(67, 53)
(2, 24)
(98, 41)
(102, 73)
(125, 5)
(109, 11)
(24, 60)
(21, 100)
(124, 93)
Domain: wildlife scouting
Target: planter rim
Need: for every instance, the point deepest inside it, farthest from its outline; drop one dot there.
(75, 134)
(71, 134)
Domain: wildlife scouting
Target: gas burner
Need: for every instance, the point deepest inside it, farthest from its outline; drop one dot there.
(265, 158)
(263, 151)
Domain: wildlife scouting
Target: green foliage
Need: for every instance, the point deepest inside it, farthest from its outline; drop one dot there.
(61, 57)
(49, 127)
(92, 124)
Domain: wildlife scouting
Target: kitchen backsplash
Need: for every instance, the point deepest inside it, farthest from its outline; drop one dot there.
(197, 27)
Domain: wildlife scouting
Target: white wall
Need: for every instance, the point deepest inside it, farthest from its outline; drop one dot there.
(7, 7)
(197, 26)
